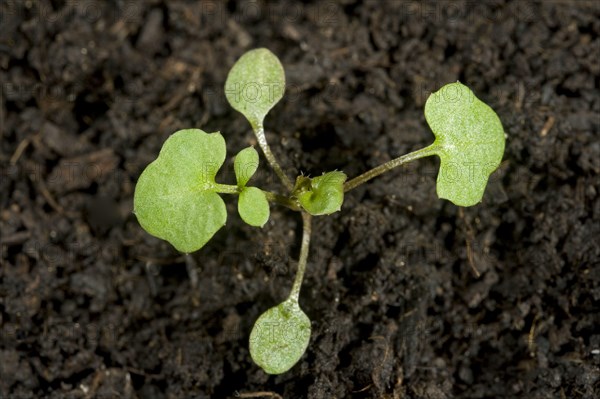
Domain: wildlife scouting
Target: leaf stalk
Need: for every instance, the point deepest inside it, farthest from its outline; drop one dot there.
(368, 175)
(259, 131)
(306, 231)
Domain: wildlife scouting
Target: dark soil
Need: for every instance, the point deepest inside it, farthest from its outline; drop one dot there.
(91, 306)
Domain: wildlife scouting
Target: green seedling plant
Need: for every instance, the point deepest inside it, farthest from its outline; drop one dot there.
(178, 199)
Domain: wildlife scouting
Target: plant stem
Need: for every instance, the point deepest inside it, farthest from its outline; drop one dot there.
(368, 175)
(282, 200)
(271, 196)
(226, 188)
(306, 228)
(259, 131)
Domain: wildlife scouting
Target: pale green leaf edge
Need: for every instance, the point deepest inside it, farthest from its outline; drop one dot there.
(255, 84)
(476, 113)
(253, 207)
(245, 165)
(183, 233)
(280, 337)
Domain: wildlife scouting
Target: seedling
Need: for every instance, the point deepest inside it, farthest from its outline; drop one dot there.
(177, 198)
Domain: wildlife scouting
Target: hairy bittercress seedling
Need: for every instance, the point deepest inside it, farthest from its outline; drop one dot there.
(177, 198)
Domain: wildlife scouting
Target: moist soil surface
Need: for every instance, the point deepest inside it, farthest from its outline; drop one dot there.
(410, 296)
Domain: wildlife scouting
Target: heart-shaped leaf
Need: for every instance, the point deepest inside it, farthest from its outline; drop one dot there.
(245, 165)
(321, 195)
(253, 206)
(175, 196)
(279, 337)
(469, 141)
(255, 83)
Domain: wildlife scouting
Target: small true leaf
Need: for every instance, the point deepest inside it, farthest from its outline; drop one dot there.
(280, 337)
(174, 197)
(253, 207)
(245, 165)
(255, 83)
(321, 195)
(469, 142)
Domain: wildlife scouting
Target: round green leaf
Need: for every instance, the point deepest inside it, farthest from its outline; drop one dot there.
(321, 195)
(280, 337)
(255, 83)
(469, 142)
(174, 197)
(253, 206)
(245, 165)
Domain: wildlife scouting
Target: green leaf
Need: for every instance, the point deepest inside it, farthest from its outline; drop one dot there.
(253, 206)
(469, 142)
(321, 195)
(255, 83)
(280, 337)
(175, 198)
(245, 165)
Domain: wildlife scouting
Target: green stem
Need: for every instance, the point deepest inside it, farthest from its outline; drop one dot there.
(306, 228)
(226, 188)
(271, 197)
(259, 131)
(368, 175)
(282, 200)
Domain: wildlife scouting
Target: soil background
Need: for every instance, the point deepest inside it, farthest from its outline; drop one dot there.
(93, 307)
